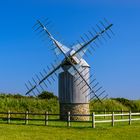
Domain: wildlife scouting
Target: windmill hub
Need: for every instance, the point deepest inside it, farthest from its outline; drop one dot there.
(76, 86)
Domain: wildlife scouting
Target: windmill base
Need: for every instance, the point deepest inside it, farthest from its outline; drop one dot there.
(74, 108)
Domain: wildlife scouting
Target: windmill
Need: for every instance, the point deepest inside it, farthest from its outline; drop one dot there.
(76, 86)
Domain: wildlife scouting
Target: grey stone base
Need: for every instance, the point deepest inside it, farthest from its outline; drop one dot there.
(74, 108)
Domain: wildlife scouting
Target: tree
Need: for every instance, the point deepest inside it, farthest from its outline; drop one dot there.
(47, 95)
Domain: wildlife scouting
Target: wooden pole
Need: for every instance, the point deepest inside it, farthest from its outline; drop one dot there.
(46, 118)
(26, 117)
(112, 118)
(122, 114)
(93, 120)
(130, 117)
(8, 117)
(104, 113)
(68, 119)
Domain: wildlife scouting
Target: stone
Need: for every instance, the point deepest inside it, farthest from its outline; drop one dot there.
(74, 108)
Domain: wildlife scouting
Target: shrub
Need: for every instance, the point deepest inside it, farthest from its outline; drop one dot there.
(128, 103)
(46, 95)
(108, 104)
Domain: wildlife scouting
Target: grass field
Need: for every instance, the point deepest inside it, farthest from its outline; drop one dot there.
(58, 130)
(33, 132)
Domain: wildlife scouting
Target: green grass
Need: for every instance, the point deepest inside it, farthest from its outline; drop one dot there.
(59, 130)
(31, 104)
(32, 132)
(18, 103)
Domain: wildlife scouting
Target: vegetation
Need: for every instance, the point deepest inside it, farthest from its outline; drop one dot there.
(21, 103)
(130, 104)
(109, 105)
(46, 101)
(27, 132)
(116, 104)
(47, 95)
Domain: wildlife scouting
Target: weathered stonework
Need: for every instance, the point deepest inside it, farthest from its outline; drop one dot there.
(74, 108)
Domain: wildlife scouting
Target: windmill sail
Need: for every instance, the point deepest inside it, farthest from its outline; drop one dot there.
(59, 45)
(47, 75)
(84, 45)
(73, 57)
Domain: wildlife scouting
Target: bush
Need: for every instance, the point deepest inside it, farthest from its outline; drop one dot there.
(128, 103)
(108, 104)
(47, 95)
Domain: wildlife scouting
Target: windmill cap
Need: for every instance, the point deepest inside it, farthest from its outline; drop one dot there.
(84, 63)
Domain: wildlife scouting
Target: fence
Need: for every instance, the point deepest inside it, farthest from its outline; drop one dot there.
(113, 120)
(94, 118)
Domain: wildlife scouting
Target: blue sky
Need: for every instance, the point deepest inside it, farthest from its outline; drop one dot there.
(116, 64)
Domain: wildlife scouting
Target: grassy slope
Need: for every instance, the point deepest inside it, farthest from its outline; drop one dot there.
(52, 105)
(108, 105)
(22, 132)
(21, 103)
(32, 104)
